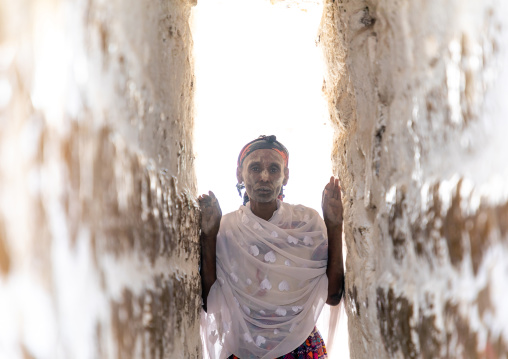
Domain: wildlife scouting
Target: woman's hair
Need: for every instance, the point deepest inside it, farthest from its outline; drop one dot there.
(263, 142)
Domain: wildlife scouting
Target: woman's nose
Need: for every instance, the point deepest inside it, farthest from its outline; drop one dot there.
(264, 175)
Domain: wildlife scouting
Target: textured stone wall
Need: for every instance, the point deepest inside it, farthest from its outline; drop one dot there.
(417, 91)
(98, 227)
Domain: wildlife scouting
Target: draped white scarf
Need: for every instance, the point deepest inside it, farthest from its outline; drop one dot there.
(271, 283)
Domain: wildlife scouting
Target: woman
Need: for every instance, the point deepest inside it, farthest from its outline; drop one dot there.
(268, 268)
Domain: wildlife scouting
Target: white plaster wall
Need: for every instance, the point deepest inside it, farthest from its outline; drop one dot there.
(98, 229)
(417, 90)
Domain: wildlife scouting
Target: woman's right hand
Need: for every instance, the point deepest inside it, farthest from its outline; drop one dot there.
(211, 214)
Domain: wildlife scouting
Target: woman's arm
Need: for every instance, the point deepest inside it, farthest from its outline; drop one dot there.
(332, 214)
(208, 270)
(210, 222)
(335, 267)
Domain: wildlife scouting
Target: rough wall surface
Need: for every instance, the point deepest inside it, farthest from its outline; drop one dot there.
(417, 91)
(98, 228)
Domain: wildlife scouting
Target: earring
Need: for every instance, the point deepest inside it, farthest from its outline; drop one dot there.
(281, 194)
(239, 187)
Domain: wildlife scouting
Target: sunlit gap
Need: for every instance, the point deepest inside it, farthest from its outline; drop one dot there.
(259, 72)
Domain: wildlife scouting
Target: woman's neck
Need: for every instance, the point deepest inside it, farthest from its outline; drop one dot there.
(263, 210)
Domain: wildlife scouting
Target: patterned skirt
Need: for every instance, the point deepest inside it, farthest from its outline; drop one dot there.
(313, 348)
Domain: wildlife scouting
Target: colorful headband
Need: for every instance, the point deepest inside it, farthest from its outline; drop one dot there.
(264, 142)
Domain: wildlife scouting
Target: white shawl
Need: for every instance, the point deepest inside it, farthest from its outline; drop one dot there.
(271, 283)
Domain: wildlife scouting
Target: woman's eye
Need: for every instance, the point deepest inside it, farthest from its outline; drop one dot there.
(274, 170)
(255, 168)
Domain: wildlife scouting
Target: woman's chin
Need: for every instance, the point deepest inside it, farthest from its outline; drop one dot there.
(263, 198)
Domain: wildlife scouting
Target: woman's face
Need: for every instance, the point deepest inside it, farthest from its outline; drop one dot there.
(264, 174)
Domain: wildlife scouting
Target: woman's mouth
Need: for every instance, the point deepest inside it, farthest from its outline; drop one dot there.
(264, 190)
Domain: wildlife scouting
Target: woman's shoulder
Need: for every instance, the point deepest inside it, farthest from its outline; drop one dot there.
(232, 215)
(230, 219)
(300, 209)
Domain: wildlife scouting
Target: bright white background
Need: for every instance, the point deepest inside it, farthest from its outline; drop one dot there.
(259, 72)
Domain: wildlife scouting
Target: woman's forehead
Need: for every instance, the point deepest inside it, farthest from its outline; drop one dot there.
(264, 155)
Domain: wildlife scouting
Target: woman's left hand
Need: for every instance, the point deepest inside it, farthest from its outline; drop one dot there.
(332, 203)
